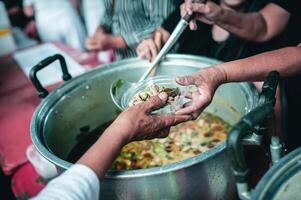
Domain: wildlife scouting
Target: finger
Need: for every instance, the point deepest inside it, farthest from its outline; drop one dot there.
(139, 52)
(196, 114)
(153, 49)
(183, 10)
(188, 95)
(185, 80)
(192, 25)
(189, 110)
(198, 103)
(199, 8)
(147, 53)
(142, 54)
(188, 5)
(187, 104)
(158, 40)
(192, 106)
(155, 102)
(171, 120)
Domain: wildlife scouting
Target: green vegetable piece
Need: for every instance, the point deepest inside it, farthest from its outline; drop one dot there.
(158, 148)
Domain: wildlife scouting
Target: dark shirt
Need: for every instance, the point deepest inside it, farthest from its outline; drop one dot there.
(293, 31)
(200, 42)
(292, 89)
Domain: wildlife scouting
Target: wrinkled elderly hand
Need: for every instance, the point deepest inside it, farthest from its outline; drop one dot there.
(206, 12)
(137, 122)
(206, 81)
(149, 48)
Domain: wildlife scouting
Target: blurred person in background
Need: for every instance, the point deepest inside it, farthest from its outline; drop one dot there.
(126, 23)
(57, 20)
(92, 11)
(15, 12)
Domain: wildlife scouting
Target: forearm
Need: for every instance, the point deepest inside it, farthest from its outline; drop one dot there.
(249, 26)
(102, 154)
(287, 61)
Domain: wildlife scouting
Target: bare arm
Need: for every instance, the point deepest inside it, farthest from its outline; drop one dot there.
(256, 26)
(286, 61)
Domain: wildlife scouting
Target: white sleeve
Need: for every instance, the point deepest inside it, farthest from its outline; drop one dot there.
(79, 182)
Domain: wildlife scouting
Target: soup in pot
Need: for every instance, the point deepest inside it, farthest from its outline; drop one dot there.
(184, 141)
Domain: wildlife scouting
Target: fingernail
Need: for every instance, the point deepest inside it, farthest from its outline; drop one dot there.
(163, 96)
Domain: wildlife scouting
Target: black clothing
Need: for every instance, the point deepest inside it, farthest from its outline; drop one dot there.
(292, 85)
(200, 42)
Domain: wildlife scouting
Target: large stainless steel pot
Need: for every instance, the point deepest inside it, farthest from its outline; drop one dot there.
(282, 181)
(85, 101)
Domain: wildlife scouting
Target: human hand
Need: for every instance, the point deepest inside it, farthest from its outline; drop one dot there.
(103, 40)
(207, 12)
(137, 122)
(99, 41)
(206, 81)
(149, 48)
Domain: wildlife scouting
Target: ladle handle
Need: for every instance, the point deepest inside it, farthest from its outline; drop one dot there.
(41, 91)
(177, 32)
(168, 45)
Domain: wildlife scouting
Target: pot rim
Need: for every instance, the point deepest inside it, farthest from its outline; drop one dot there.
(40, 116)
(289, 164)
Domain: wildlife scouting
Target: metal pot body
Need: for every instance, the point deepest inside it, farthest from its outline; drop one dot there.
(282, 181)
(85, 101)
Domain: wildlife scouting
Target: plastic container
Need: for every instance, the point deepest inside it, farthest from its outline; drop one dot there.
(43, 167)
(163, 81)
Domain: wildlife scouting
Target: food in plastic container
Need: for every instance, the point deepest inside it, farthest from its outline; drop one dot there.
(144, 90)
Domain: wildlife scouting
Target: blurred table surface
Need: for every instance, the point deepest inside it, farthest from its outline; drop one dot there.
(18, 100)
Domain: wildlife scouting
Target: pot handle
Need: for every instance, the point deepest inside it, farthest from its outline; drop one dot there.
(41, 91)
(269, 88)
(255, 118)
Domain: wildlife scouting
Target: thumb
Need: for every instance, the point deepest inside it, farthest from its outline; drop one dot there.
(155, 102)
(185, 80)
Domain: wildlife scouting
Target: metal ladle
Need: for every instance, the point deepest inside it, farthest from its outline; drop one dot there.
(120, 86)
